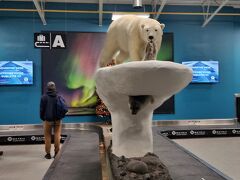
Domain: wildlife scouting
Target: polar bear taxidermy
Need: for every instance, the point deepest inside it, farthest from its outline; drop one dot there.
(130, 38)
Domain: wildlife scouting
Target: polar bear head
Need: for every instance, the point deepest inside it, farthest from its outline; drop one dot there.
(151, 30)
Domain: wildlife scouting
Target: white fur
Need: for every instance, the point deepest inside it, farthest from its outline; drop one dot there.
(128, 36)
(132, 134)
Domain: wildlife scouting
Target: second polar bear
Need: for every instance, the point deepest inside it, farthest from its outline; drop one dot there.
(128, 37)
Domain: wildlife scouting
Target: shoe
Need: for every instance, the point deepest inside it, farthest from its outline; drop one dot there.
(48, 156)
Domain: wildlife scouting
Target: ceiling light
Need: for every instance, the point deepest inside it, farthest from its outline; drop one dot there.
(116, 16)
(137, 4)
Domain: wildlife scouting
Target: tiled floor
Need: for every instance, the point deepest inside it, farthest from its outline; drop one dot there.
(221, 153)
(23, 162)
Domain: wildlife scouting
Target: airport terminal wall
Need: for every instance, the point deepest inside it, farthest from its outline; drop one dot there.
(217, 41)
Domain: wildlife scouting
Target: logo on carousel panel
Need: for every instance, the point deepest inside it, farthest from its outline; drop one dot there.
(219, 132)
(16, 139)
(33, 138)
(198, 132)
(236, 131)
(63, 138)
(179, 133)
(39, 138)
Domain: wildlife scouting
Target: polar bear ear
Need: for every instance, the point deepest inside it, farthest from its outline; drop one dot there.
(162, 26)
(142, 26)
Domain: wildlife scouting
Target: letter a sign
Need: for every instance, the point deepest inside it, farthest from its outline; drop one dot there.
(50, 40)
(58, 42)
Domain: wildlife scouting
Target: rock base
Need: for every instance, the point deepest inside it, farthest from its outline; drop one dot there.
(148, 167)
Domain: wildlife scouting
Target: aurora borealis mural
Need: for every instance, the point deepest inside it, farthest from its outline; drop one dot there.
(72, 69)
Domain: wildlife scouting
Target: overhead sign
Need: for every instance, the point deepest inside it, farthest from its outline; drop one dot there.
(50, 40)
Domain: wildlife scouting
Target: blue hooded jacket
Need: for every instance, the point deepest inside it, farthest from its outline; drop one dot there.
(48, 106)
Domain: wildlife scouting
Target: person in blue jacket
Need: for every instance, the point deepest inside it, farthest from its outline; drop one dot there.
(48, 115)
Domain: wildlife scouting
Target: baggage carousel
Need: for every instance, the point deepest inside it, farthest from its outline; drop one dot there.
(83, 152)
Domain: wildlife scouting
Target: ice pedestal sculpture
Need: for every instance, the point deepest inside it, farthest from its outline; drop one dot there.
(155, 80)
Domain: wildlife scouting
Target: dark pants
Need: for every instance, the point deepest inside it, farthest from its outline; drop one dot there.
(48, 126)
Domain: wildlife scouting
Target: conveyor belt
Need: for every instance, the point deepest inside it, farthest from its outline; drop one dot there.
(78, 159)
(79, 156)
(182, 165)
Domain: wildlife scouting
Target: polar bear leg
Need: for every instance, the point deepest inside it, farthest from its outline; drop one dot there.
(136, 53)
(108, 52)
(121, 57)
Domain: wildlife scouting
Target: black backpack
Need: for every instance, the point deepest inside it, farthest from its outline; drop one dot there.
(62, 108)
